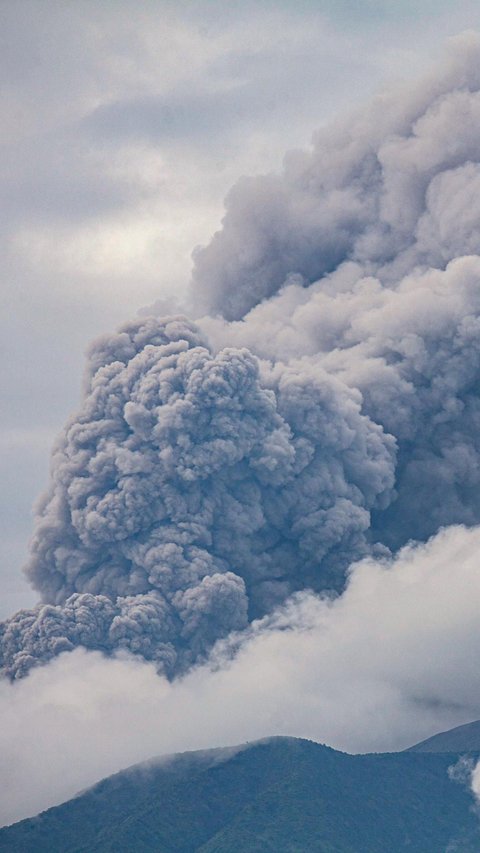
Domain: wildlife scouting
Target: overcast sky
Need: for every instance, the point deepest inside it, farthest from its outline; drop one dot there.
(125, 123)
(123, 126)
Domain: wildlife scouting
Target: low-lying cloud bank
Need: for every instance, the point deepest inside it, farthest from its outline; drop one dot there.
(389, 662)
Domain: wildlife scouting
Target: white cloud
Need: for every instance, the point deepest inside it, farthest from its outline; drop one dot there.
(388, 663)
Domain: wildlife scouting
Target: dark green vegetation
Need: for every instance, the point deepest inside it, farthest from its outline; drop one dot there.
(281, 795)
(462, 739)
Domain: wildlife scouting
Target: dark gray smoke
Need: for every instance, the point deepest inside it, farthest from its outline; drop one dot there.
(413, 352)
(199, 486)
(368, 249)
(189, 496)
(393, 187)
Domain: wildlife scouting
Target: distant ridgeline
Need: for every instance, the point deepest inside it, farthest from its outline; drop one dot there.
(283, 795)
(461, 739)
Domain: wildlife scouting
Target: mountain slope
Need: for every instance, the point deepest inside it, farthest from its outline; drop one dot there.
(283, 795)
(461, 739)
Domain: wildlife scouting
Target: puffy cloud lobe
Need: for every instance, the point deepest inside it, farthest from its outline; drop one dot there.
(390, 187)
(412, 352)
(395, 314)
(189, 496)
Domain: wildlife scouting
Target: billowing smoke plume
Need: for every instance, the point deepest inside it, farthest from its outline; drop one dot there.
(199, 486)
(188, 497)
(393, 187)
(364, 257)
(413, 352)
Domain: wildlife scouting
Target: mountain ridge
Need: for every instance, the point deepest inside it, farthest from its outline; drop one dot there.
(278, 794)
(465, 738)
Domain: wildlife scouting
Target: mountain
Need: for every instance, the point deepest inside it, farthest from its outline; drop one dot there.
(461, 739)
(283, 795)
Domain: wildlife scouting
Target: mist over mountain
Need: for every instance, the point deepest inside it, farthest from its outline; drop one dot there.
(282, 794)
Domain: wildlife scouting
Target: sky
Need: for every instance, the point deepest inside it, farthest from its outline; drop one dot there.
(125, 126)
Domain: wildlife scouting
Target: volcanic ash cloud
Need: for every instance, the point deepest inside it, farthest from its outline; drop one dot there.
(189, 496)
(199, 486)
